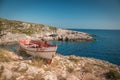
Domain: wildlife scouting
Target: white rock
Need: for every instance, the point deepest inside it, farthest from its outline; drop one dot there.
(7, 74)
(15, 74)
(28, 77)
(64, 74)
(49, 76)
(20, 78)
(22, 67)
(34, 70)
(72, 77)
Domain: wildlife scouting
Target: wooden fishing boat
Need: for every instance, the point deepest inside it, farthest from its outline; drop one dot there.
(38, 48)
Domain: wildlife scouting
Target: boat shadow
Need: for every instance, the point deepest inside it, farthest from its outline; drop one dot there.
(35, 60)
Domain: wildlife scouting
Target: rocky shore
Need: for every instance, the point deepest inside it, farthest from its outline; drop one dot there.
(16, 67)
(19, 66)
(12, 31)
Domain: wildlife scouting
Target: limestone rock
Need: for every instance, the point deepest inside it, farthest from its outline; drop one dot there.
(72, 77)
(28, 77)
(22, 67)
(49, 76)
(61, 68)
(7, 74)
(64, 74)
(34, 70)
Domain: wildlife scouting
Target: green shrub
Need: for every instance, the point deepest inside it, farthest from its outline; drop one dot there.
(73, 59)
(41, 25)
(113, 75)
(52, 28)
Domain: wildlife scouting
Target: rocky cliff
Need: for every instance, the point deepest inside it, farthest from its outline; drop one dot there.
(16, 67)
(11, 30)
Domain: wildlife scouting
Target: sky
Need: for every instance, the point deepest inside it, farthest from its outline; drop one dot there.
(80, 14)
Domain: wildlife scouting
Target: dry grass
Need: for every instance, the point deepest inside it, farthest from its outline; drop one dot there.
(100, 65)
(55, 63)
(73, 59)
(61, 78)
(1, 70)
(48, 68)
(37, 61)
(5, 56)
(70, 69)
(88, 68)
(38, 77)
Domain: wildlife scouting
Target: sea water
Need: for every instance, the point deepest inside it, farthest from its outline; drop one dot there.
(106, 47)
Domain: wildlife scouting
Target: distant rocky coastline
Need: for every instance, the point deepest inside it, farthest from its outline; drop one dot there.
(12, 31)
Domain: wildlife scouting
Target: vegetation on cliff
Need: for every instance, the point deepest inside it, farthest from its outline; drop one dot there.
(23, 27)
(11, 30)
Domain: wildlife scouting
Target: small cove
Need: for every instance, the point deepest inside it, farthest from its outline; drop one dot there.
(106, 47)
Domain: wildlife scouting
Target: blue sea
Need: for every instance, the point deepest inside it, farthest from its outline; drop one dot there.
(106, 47)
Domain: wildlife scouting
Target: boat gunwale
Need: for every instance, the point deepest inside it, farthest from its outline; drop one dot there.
(27, 48)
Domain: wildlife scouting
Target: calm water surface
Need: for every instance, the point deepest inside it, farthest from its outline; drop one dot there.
(106, 47)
